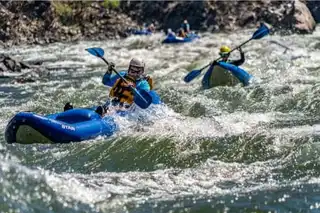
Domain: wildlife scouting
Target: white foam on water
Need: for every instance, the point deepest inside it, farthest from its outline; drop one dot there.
(169, 64)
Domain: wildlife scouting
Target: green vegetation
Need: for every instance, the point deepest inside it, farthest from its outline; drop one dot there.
(111, 3)
(64, 11)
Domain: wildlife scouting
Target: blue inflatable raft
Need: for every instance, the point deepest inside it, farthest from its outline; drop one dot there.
(140, 32)
(73, 125)
(225, 74)
(175, 39)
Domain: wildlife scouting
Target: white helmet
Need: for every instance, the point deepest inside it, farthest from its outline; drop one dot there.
(136, 63)
(136, 66)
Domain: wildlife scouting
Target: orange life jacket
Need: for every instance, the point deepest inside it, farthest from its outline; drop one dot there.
(123, 92)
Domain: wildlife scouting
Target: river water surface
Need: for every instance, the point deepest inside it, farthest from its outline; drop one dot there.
(226, 149)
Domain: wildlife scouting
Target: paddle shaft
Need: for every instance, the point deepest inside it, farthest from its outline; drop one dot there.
(115, 71)
(120, 76)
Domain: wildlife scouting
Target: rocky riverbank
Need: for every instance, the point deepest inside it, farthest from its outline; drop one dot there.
(39, 22)
(291, 16)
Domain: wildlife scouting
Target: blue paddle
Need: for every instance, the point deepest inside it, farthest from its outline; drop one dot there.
(262, 31)
(143, 99)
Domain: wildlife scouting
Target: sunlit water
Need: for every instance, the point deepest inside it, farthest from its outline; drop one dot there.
(227, 149)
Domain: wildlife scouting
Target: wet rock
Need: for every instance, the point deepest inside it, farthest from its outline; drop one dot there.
(303, 18)
(9, 63)
(36, 74)
(3, 68)
(12, 65)
(23, 80)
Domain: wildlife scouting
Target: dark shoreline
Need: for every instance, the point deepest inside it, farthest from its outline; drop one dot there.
(44, 22)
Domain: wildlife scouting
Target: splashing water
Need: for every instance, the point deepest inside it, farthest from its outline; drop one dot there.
(226, 149)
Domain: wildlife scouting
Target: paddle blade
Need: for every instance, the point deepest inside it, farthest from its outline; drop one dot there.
(142, 98)
(155, 97)
(261, 32)
(191, 75)
(96, 51)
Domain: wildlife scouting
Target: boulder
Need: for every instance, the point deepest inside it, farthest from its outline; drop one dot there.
(304, 22)
(9, 63)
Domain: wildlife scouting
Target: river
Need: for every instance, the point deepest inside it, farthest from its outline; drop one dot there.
(226, 149)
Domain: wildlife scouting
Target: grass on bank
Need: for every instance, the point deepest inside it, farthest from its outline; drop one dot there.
(64, 9)
(111, 3)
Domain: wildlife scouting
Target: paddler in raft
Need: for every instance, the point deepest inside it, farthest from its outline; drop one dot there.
(218, 76)
(184, 29)
(225, 53)
(121, 95)
(151, 28)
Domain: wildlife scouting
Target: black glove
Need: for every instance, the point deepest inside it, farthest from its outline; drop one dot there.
(110, 68)
(214, 63)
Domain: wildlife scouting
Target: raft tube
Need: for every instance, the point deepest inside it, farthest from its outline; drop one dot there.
(73, 125)
(175, 39)
(220, 76)
(141, 32)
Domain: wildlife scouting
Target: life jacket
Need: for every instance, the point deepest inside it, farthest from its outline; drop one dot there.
(123, 93)
(181, 34)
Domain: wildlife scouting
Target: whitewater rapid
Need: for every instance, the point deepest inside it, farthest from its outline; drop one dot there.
(222, 149)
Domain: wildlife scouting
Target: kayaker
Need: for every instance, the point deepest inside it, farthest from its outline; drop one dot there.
(184, 29)
(151, 28)
(185, 26)
(121, 95)
(219, 76)
(225, 53)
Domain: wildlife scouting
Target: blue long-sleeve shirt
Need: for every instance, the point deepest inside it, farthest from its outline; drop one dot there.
(111, 79)
(185, 27)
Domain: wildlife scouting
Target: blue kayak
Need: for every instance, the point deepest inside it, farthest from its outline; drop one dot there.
(175, 39)
(73, 125)
(225, 74)
(141, 32)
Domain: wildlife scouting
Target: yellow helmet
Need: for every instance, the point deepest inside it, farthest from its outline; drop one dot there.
(224, 49)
